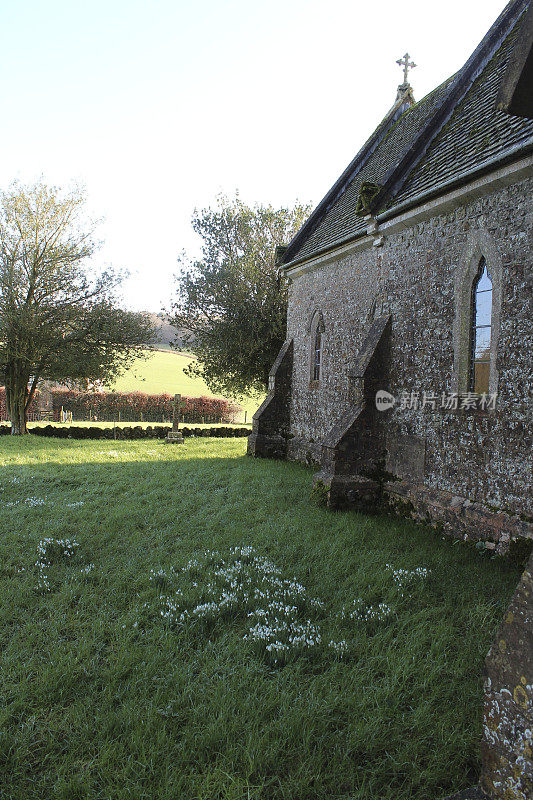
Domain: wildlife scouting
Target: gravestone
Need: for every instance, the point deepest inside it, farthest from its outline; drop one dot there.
(175, 436)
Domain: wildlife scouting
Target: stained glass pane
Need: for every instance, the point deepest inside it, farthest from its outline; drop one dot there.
(483, 308)
(482, 349)
(481, 377)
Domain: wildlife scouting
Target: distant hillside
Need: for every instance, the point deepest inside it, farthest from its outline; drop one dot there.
(159, 372)
(165, 333)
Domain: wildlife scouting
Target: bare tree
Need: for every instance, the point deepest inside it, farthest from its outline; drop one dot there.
(58, 314)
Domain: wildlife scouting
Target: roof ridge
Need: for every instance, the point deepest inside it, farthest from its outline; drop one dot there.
(419, 103)
(379, 134)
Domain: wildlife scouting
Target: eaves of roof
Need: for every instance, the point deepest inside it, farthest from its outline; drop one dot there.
(516, 90)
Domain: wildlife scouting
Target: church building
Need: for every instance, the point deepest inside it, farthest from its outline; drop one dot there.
(406, 375)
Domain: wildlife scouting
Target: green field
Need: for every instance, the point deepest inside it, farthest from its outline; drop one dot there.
(183, 623)
(162, 372)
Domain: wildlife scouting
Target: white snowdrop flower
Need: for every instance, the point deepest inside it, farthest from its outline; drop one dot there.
(403, 577)
(339, 647)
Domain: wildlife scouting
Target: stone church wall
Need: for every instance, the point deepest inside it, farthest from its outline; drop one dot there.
(464, 461)
(344, 292)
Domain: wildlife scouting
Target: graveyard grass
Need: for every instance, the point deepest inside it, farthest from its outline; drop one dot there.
(102, 698)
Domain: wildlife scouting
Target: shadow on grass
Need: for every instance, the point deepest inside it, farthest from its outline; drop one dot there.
(100, 698)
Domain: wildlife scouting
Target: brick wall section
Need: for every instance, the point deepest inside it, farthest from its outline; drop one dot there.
(507, 748)
(469, 463)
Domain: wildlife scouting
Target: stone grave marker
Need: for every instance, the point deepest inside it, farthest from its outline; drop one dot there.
(175, 436)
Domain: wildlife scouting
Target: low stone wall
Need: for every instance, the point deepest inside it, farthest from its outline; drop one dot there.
(127, 432)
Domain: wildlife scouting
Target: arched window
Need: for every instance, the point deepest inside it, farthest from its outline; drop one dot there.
(316, 348)
(480, 350)
(317, 354)
(476, 329)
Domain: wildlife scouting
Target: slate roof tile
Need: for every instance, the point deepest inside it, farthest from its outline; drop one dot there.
(475, 133)
(341, 222)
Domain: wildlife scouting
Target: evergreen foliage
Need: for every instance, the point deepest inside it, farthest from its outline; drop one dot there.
(231, 301)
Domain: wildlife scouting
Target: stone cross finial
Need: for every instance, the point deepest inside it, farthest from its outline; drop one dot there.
(407, 65)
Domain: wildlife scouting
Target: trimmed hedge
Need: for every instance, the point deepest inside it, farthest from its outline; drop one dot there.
(33, 411)
(137, 405)
(127, 432)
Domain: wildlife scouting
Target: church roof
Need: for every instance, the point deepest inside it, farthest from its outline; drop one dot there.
(516, 92)
(424, 149)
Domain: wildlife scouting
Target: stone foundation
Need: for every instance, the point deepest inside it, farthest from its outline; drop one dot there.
(457, 516)
(354, 492)
(304, 451)
(374, 492)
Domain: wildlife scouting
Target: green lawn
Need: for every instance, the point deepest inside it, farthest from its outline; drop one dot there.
(162, 372)
(132, 669)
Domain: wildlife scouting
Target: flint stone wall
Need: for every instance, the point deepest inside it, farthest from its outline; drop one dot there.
(507, 748)
(470, 458)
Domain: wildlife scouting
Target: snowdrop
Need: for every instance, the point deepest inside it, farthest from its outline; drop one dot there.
(341, 648)
(366, 613)
(249, 587)
(28, 501)
(50, 550)
(405, 577)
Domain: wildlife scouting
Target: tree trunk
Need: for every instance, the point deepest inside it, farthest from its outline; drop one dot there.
(16, 394)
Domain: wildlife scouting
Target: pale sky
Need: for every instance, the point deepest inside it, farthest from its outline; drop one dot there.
(159, 106)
